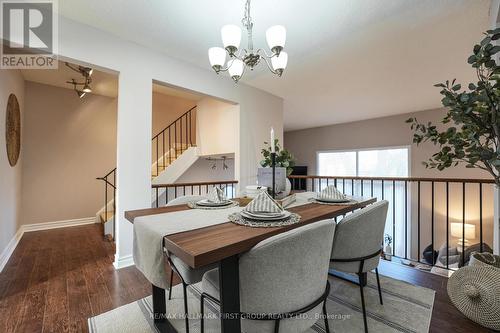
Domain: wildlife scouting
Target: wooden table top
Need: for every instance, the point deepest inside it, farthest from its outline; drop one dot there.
(203, 246)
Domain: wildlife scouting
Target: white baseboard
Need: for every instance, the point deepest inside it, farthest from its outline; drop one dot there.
(7, 252)
(58, 224)
(11, 246)
(124, 261)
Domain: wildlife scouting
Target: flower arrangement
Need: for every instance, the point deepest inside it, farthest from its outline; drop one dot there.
(283, 157)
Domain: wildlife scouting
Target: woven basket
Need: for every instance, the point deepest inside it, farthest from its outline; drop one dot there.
(484, 259)
(475, 290)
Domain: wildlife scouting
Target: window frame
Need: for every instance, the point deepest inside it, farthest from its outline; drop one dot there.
(357, 150)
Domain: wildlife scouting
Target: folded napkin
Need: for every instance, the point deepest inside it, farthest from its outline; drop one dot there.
(263, 203)
(216, 195)
(331, 193)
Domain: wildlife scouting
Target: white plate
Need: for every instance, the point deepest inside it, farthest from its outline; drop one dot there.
(334, 200)
(206, 202)
(263, 217)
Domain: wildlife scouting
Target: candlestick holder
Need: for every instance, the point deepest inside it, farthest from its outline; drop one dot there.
(273, 166)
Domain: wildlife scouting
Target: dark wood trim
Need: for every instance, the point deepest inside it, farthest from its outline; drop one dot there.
(220, 182)
(401, 179)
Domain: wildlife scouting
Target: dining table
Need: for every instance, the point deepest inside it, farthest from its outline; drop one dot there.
(223, 243)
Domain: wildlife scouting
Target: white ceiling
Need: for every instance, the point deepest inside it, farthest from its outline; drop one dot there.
(103, 83)
(348, 59)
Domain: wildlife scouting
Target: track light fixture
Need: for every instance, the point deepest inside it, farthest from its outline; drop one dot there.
(86, 72)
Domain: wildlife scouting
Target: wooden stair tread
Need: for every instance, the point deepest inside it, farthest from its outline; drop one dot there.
(102, 215)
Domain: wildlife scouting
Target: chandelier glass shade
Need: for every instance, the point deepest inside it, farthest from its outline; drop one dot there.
(242, 58)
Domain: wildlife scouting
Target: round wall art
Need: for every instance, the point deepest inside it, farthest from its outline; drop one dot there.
(13, 130)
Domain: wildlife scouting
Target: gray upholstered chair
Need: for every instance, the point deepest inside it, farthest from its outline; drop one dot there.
(358, 243)
(187, 274)
(280, 278)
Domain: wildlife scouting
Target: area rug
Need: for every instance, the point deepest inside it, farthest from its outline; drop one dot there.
(407, 308)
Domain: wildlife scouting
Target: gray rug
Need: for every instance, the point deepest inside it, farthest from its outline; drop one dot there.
(407, 308)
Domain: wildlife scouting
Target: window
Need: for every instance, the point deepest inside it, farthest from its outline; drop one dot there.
(383, 162)
(387, 162)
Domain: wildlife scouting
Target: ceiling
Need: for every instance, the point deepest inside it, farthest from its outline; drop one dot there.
(104, 84)
(348, 59)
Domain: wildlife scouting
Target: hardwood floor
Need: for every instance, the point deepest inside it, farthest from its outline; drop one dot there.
(58, 278)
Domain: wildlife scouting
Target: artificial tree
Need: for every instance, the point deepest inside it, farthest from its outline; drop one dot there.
(473, 136)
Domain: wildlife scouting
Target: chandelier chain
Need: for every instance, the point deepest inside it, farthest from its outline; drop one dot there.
(248, 24)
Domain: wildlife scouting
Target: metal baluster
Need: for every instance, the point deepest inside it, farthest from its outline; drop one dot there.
(418, 221)
(184, 190)
(156, 197)
(175, 138)
(394, 216)
(166, 194)
(362, 186)
(169, 145)
(481, 217)
(371, 187)
(163, 149)
(447, 225)
(383, 189)
(312, 180)
(463, 223)
(352, 186)
(157, 159)
(432, 222)
(180, 134)
(175, 192)
(187, 132)
(343, 185)
(106, 199)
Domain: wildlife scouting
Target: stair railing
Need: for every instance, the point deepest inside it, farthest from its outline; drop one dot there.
(173, 140)
(109, 185)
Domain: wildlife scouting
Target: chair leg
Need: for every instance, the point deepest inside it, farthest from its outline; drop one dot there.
(170, 285)
(327, 327)
(202, 312)
(277, 326)
(184, 287)
(379, 289)
(363, 306)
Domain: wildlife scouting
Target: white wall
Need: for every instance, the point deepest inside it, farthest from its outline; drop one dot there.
(11, 82)
(138, 67)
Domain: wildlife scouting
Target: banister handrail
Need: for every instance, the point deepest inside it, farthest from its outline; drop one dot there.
(409, 179)
(220, 182)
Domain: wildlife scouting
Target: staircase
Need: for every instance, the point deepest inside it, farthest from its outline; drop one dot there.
(173, 144)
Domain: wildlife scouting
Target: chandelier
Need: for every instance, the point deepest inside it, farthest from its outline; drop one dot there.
(240, 59)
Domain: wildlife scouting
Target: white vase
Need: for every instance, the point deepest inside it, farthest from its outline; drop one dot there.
(388, 252)
(288, 187)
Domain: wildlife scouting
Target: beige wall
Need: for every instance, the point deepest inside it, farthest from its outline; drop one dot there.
(11, 82)
(71, 141)
(217, 130)
(68, 143)
(379, 132)
(167, 109)
(393, 131)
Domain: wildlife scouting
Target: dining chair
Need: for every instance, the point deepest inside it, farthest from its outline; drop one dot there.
(187, 274)
(358, 243)
(283, 281)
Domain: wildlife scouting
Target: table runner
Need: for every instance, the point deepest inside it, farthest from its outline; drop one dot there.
(150, 230)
